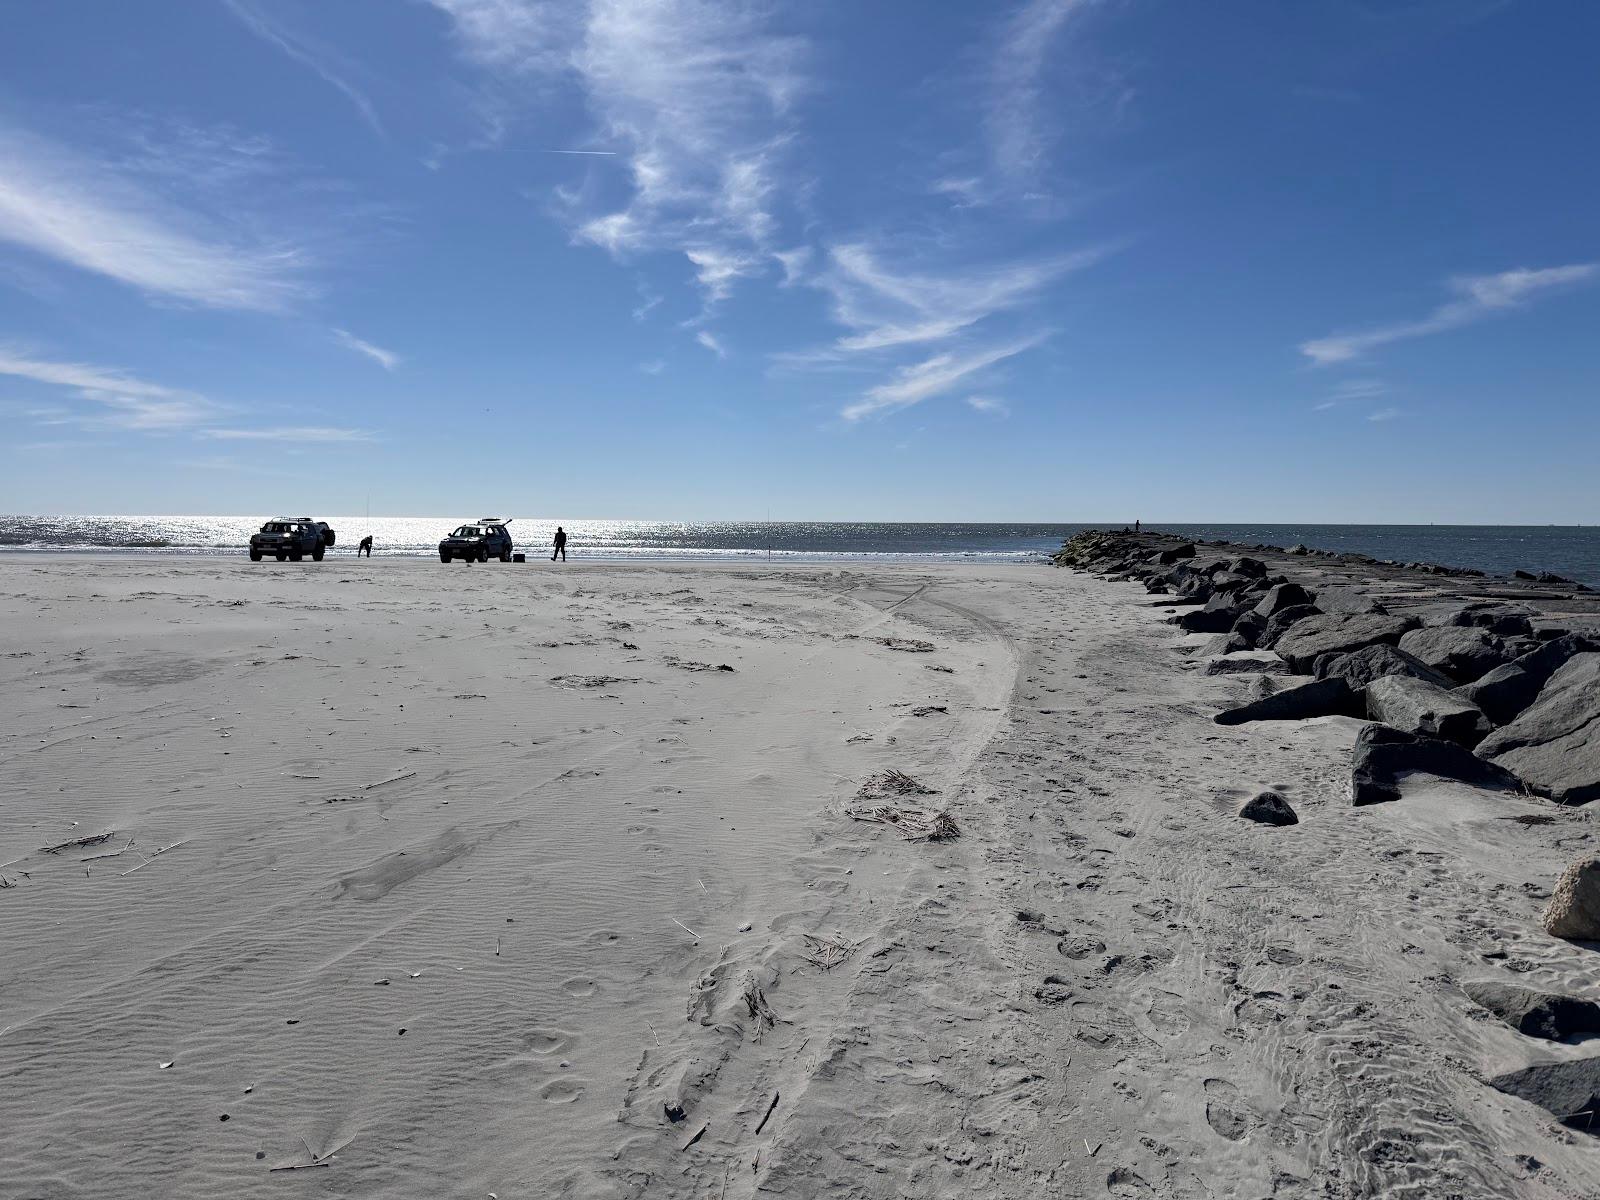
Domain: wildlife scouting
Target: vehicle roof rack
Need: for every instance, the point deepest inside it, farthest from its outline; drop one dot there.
(495, 520)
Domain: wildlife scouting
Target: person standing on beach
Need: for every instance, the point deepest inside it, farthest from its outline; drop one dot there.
(561, 544)
(365, 547)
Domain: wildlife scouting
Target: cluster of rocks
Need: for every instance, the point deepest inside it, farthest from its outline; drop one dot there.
(1491, 692)
(1486, 689)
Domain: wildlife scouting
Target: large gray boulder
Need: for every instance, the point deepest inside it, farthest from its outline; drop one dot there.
(1461, 652)
(1217, 615)
(1549, 1015)
(1508, 689)
(1236, 664)
(1568, 1089)
(1361, 667)
(1414, 705)
(1504, 620)
(1168, 557)
(1269, 808)
(1278, 624)
(1250, 626)
(1574, 909)
(1314, 698)
(1385, 756)
(1554, 745)
(1338, 633)
(1284, 595)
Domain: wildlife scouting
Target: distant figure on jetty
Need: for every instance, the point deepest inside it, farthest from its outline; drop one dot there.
(365, 547)
(1136, 524)
(561, 544)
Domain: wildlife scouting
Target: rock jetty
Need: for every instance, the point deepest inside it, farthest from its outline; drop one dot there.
(1491, 682)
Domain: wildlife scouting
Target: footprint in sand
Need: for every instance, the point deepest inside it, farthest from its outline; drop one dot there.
(561, 1091)
(1224, 1111)
(579, 987)
(1283, 957)
(1091, 1024)
(1079, 946)
(1166, 1014)
(546, 1041)
(605, 937)
(1126, 1182)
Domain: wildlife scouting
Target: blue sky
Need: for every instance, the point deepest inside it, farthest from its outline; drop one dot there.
(1054, 260)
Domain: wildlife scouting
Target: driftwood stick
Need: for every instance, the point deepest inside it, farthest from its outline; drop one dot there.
(159, 850)
(93, 840)
(367, 787)
(682, 926)
(770, 1109)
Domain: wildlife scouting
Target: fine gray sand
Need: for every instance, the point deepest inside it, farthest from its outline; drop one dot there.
(456, 881)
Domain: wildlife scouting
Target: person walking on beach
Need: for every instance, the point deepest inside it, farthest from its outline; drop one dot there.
(561, 544)
(365, 546)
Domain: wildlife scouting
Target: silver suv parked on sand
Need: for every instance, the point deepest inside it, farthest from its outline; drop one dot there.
(476, 543)
(292, 538)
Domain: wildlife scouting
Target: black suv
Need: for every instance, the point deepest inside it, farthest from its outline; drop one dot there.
(292, 538)
(475, 543)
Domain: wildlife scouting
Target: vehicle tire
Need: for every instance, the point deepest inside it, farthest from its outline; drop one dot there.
(443, 557)
(468, 558)
(505, 555)
(316, 555)
(255, 555)
(281, 556)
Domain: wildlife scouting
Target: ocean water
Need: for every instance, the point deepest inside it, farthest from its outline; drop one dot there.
(1573, 551)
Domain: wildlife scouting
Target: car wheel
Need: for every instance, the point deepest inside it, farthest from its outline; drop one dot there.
(255, 555)
(316, 555)
(505, 555)
(443, 557)
(281, 556)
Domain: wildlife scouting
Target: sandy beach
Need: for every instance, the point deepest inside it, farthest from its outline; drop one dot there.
(386, 878)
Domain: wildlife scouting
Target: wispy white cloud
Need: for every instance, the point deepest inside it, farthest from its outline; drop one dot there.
(78, 211)
(1477, 297)
(118, 400)
(892, 311)
(989, 404)
(933, 376)
(326, 62)
(288, 433)
(1019, 133)
(889, 308)
(696, 96)
(711, 343)
(1352, 389)
(387, 359)
(519, 36)
(649, 300)
(654, 367)
(1384, 414)
(794, 263)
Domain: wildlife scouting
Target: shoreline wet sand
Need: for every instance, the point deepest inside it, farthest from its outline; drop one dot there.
(447, 880)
